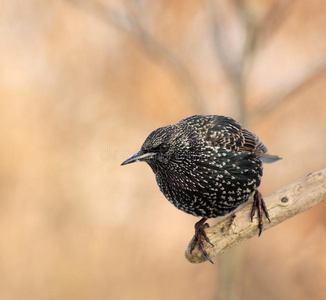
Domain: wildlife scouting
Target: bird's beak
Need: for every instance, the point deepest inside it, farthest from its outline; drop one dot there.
(139, 156)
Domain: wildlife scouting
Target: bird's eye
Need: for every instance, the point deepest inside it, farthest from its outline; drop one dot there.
(164, 147)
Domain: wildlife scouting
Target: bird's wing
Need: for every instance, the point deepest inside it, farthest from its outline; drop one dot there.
(228, 133)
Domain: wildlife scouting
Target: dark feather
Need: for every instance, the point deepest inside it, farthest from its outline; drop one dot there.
(228, 133)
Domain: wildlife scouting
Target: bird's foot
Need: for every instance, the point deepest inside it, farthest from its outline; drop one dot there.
(200, 235)
(260, 205)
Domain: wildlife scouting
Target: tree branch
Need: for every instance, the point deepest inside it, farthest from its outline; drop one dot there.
(283, 204)
(132, 24)
(316, 70)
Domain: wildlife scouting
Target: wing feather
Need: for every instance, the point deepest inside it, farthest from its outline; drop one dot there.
(228, 133)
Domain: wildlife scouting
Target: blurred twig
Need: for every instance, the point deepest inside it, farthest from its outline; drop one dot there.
(315, 71)
(132, 24)
(268, 25)
(256, 31)
(282, 205)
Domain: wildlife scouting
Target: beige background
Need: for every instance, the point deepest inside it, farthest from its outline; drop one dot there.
(82, 85)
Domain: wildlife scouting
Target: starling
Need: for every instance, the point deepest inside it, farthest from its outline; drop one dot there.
(206, 166)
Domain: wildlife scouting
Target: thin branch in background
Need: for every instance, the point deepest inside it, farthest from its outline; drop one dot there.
(274, 19)
(256, 32)
(230, 65)
(311, 75)
(219, 41)
(130, 23)
(266, 26)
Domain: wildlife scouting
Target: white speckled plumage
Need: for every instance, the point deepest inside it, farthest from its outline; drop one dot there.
(206, 165)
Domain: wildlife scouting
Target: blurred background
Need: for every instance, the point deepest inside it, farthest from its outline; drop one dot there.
(82, 84)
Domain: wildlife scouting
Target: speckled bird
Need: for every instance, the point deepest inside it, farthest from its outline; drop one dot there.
(206, 166)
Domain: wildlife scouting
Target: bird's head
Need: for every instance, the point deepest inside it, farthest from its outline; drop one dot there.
(166, 145)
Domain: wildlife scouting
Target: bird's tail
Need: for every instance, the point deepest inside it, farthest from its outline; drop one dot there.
(268, 158)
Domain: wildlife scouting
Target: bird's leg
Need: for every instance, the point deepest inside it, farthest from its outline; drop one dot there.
(260, 205)
(200, 234)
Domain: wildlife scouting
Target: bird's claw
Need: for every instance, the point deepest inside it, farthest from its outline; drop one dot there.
(200, 234)
(260, 205)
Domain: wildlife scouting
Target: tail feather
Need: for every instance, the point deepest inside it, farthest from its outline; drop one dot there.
(268, 158)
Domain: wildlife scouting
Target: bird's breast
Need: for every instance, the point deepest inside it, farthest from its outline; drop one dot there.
(210, 185)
